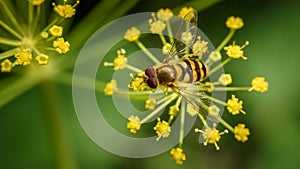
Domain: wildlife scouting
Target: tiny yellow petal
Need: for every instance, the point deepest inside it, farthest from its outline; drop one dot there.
(134, 124)
(177, 155)
(56, 31)
(234, 22)
(132, 34)
(61, 46)
(42, 59)
(6, 66)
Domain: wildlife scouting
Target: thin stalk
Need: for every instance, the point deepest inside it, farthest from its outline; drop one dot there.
(55, 125)
(10, 30)
(9, 53)
(182, 119)
(147, 52)
(226, 40)
(9, 42)
(220, 65)
(225, 124)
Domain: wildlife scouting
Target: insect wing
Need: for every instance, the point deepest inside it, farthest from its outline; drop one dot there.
(185, 36)
(197, 102)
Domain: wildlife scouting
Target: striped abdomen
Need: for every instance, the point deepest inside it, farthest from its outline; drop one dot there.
(188, 71)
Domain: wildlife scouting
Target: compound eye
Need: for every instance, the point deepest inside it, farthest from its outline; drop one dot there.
(152, 82)
(150, 72)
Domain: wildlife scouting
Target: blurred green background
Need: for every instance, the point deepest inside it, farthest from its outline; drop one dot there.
(271, 26)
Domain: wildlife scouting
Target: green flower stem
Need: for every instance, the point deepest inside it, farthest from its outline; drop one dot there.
(214, 100)
(10, 42)
(61, 146)
(36, 20)
(170, 32)
(9, 53)
(231, 88)
(225, 124)
(147, 52)
(170, 97)
(56, 20)
(10, 30)
(202, 120)
(220, 65)
(11, 17)
(162, 38)
(30, 14)
(182, 119)
(137, 70)
(226, 40)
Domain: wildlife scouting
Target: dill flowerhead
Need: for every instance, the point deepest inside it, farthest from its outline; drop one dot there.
(179, 100)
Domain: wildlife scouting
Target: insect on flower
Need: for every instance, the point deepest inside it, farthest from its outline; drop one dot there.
(185, 74)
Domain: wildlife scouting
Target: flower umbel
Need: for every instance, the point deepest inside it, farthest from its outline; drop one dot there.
(170, 77)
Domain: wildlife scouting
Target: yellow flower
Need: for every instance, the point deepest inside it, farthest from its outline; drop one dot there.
(241, 133)
(132, 34)
(214, 111)
(134, 124)
(44, 35)
(215, 56)
(24, 57)
(120, 61)
(211, 135)
(166, 48)
(156, 27)
(186, 37)
(150, 104)
(164, 14)
(173, 110)
(6, 66)
(177, 155)
(235, 51)
(36, 2)
(234, 106)
(138, 83)
(234, 22)
(259, 84)
(110, 88)
(65, 10)
(56, 31)
(186, 13)
(225, 79)
(61, 46)
(162, 129)
(42, 59)
(200, 47)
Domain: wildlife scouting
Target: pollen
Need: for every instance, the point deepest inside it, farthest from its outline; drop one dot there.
(225, 79)
(134, 124)
(110, 88)
(65, 10)
(186, 13)
(200, 47)
(56, 31)
(166, 48)
(132, 34)
(211, 135)
(36, 2)
(259, 84)
(61, 46)
(24, 57)
(150, 104)
(42, 59)
(177, 155)
(6, 66)
(234, 22)
(235, 106)
(235, 51)
(173, 110)
(241, 133)
(138, 83)
(214, 111)
(162, 129)
(164, 14)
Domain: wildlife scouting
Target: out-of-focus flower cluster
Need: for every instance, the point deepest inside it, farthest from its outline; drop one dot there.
(28, 40)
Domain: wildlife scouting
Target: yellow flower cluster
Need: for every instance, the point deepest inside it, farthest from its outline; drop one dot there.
(30, 40)
(188, 103)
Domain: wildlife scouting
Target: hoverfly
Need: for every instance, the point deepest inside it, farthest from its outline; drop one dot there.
(185, 74)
